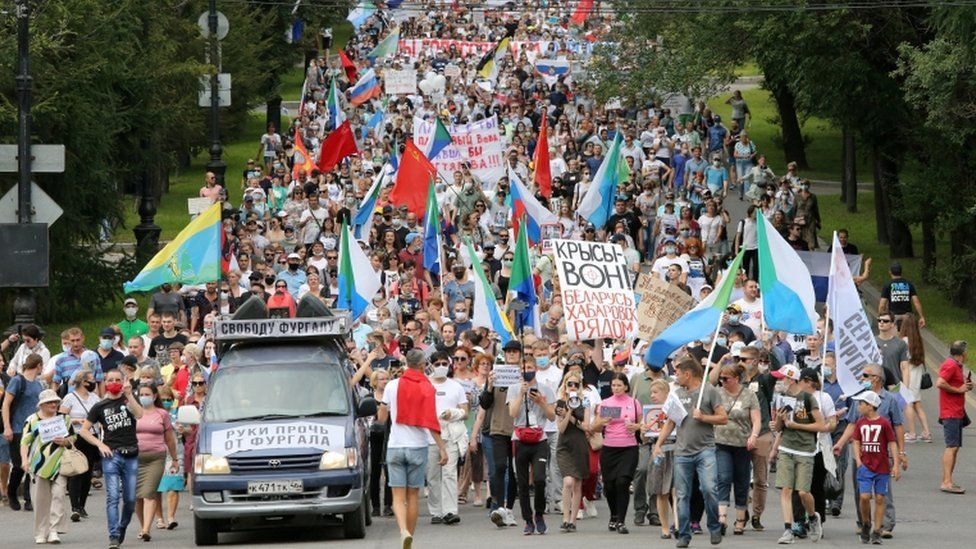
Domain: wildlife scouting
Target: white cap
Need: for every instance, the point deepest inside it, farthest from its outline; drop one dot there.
(787, 370)
(293, 255)
(870, 397)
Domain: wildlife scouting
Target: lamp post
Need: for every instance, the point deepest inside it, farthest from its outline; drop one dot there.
(25, 304)
(215, 165)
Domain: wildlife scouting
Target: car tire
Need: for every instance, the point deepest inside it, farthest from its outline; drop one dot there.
(204, 532)
(367, 503)
(354, 522)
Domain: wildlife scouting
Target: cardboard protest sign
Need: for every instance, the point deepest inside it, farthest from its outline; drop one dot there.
(661, 304)
(597, 297)
(507, 376)
(479, 144)
(400, 82)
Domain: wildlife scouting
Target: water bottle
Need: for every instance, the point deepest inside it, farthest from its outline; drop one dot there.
(658, 460)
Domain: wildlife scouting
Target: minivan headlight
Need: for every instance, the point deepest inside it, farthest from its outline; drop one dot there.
(207, 464)
(339, 459)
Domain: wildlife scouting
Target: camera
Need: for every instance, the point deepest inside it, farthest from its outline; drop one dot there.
(574, 401)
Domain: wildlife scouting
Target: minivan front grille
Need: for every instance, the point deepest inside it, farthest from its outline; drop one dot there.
(300, 462)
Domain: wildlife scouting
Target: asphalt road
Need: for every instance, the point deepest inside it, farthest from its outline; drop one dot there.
(924, 515)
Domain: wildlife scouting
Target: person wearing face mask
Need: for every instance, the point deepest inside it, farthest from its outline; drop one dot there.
(76, 405)
(131, 325)
(669, 258)
(462, 321)
(459, 288)
(116, 416)
(452, 410)
(281, 304)
(872, 378)
(109, 356)
(154, 432)
(550, 376)
(733, 323)
(294, 276)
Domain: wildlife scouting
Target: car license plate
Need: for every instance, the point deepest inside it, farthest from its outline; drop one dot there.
(275, 487)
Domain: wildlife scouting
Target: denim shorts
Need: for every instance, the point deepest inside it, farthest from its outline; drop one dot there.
(951, 428)
(406, 467)
(4, 450)
(869, 482)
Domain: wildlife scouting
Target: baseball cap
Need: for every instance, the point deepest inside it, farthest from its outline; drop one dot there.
(734, 308)
(618, 238)
(176, 346)
(512, 345)
(787, 370)
(107, 332)
(129, 360)
(670, 239)
(293, 255)
(411, 237)
(129, 301)
(737, 347)
(810, 374)
(870, 397)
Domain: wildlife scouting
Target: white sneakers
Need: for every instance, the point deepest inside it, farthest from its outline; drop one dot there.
(590, 508)
(502, 517)
(510, 517)
(52, 538)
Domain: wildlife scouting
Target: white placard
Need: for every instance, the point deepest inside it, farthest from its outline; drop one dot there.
(507, 376)
(281, 327)
(478, 144)
(597, 296)
(400, 82)
(673, 408)
(196, 206)
(52, 428)
(277, 436)
(452, 71)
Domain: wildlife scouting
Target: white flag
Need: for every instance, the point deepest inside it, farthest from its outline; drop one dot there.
(854, 343)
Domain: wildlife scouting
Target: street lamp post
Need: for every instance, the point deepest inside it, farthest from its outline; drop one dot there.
(25, 304)
(215, 165)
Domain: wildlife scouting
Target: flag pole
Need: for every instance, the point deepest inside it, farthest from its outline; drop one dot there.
(708, 360)
(826, 330)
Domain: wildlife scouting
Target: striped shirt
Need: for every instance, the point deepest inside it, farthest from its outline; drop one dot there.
(44, 459)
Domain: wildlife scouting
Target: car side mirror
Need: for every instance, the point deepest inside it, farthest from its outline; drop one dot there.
(188, 415)
(367, 407)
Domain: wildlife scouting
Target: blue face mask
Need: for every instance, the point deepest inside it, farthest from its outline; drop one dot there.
(827, 372)
(105, 343)
(528, 376)
(721, 341)
(542, 361)
(866, 384)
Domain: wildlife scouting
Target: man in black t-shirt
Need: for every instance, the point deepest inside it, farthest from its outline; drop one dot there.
(898, 297)
(159, 346)
(116, 415)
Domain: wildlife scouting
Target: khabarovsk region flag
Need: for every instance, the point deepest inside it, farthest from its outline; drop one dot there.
(363, 220)
(597, 203)
(193, 257)
(788, 299)
(432, 233)
(336, 116)
(358, 282)
(521, 282)
(697, 323)
(486, 312)
(854, 343)
(388, 46)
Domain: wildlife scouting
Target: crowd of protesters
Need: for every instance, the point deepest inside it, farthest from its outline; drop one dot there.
(586, 423)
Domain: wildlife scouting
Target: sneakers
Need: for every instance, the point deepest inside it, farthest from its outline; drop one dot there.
(437, 520)
(14, 503)
(529, 529)
(865, 533)
(683, 542)
(567, 528)
(75, 516)
(876, 537)
(886, 534)
(696, 528)
(757, 524)
(509, 517)
(540, 525)
(835, 511)
(28, 506)
(815, 528)
(53, 538)
(113, 543)
(715, 538)
(787, 538)
(590, 508)
(406, 540)
(497, 517)
(640, 519)
(451, 518)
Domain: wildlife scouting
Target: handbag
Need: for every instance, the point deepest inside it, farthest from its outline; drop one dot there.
(833, 487)
(529, 435)
(73, 462)
(926, 381)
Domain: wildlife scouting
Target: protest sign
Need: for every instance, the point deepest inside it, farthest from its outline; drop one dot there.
(413, 46)
(597, 297)
(654, 418)
(479, 144)
(661, 305)
(452, 71)
(507, 376)
(674, 409)
(277, 436)
(196, 205)
(400, 82)
(51, 428)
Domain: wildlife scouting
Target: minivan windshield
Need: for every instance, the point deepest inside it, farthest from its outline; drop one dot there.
(274, 388)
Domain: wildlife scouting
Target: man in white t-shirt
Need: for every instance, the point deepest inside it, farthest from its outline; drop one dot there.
(412, 431)
(669, 258)
(751, 306)
(452, 410)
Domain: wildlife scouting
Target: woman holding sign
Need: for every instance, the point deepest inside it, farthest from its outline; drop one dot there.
(620, 418)
(46, 434)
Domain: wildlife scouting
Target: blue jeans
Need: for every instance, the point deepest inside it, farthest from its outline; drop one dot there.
(704, 463)
(120, 480)
(734, 467)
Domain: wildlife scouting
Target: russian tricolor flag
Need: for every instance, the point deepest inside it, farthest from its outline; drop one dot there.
(523, 202)
(552, 69)
(366, 88)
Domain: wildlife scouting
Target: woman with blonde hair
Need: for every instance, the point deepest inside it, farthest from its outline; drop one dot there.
(76, 406)
(660, 476)
(572, 446)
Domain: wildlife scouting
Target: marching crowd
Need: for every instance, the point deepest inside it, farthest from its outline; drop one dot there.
(688, 446)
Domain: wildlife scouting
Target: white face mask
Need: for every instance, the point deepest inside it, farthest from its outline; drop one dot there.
(130, 312)
(440, 372)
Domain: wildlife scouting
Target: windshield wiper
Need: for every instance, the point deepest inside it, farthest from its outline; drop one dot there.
(324, 414)
(262, 417)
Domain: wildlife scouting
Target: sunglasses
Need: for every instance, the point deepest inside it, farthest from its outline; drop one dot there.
(867, 376)
(884, 321)
(198, 383)
(460, 359)
(723, 379)
(572, 384)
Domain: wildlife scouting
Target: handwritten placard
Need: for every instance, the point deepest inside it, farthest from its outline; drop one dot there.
(507, 376)
(196, 205)
(661, 305)
(52, 428)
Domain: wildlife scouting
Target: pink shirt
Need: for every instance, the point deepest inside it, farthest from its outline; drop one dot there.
(151, 430)
(615, 434)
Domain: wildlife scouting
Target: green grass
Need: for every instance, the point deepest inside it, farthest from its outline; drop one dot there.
(748, 69)
(291, 84)
(823, 149)
(946, 320)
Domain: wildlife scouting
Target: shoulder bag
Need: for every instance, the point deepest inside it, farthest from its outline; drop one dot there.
(73, 462)
(926, 382)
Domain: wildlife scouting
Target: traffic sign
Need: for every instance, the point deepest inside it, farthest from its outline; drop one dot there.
(223, 90)
(47, 158)
(223, 25)
(45, 209)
